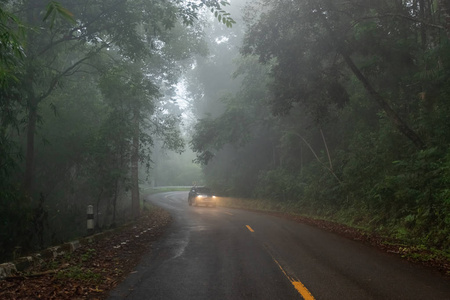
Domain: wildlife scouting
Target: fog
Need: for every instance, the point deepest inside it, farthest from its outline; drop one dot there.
(336, 110)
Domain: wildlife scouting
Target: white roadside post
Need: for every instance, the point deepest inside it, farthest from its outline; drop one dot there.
(90, 219)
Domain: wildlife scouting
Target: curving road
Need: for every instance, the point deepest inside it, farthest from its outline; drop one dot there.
(220, 253)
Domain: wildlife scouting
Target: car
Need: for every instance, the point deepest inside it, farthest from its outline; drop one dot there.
(201, 195)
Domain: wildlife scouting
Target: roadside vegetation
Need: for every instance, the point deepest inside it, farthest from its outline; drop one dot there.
(94, 269)
(340, 113)
(168, 189)
(411, 250)
(337, 110)
(86, 99)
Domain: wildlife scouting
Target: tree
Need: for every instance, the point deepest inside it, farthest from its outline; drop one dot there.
(306, 40)
(358, 91)
(98, 26)
(53, 54)
(11, 58)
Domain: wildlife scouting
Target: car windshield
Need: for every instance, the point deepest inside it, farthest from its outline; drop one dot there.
(203, 190)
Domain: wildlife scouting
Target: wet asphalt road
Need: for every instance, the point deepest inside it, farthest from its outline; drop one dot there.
(221, 253)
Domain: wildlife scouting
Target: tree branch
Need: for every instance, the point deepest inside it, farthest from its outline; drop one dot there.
(392, 115)
(70, 37)
(56, 79)
(326, 148)
(317, 157)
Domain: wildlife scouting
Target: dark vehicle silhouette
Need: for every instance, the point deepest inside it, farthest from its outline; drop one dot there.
(200, 195)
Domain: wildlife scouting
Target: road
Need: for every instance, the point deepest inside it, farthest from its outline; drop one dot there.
(221, 253)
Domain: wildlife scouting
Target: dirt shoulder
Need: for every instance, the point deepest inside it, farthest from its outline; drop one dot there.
(92, 270)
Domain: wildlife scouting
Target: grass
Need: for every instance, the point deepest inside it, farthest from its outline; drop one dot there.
(87, 255)
(169, 189)
(79, 273)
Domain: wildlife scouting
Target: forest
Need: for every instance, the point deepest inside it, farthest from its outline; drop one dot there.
(86, 100)
(330, 109)
(341, 113)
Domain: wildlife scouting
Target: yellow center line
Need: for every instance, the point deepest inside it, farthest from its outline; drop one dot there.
(296, 283)
(228, 213)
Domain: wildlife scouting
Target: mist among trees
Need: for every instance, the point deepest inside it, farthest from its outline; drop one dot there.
(332, 109)
(87, 89)
(341, 113)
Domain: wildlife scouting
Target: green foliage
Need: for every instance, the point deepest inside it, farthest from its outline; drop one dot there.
(54, 9)
(79, 273)
(359, 130)
(280, 185)
(86, 256)
(222, 15)
(190, 8)
(73, 85)
(210, 135)
(416, 197)
(11, 46)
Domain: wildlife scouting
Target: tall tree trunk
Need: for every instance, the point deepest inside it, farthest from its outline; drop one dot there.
(135, 202)
(423, 27)
(32, 106)
(445, 11)
(391, 114)
(116, 192)
(29, 160)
